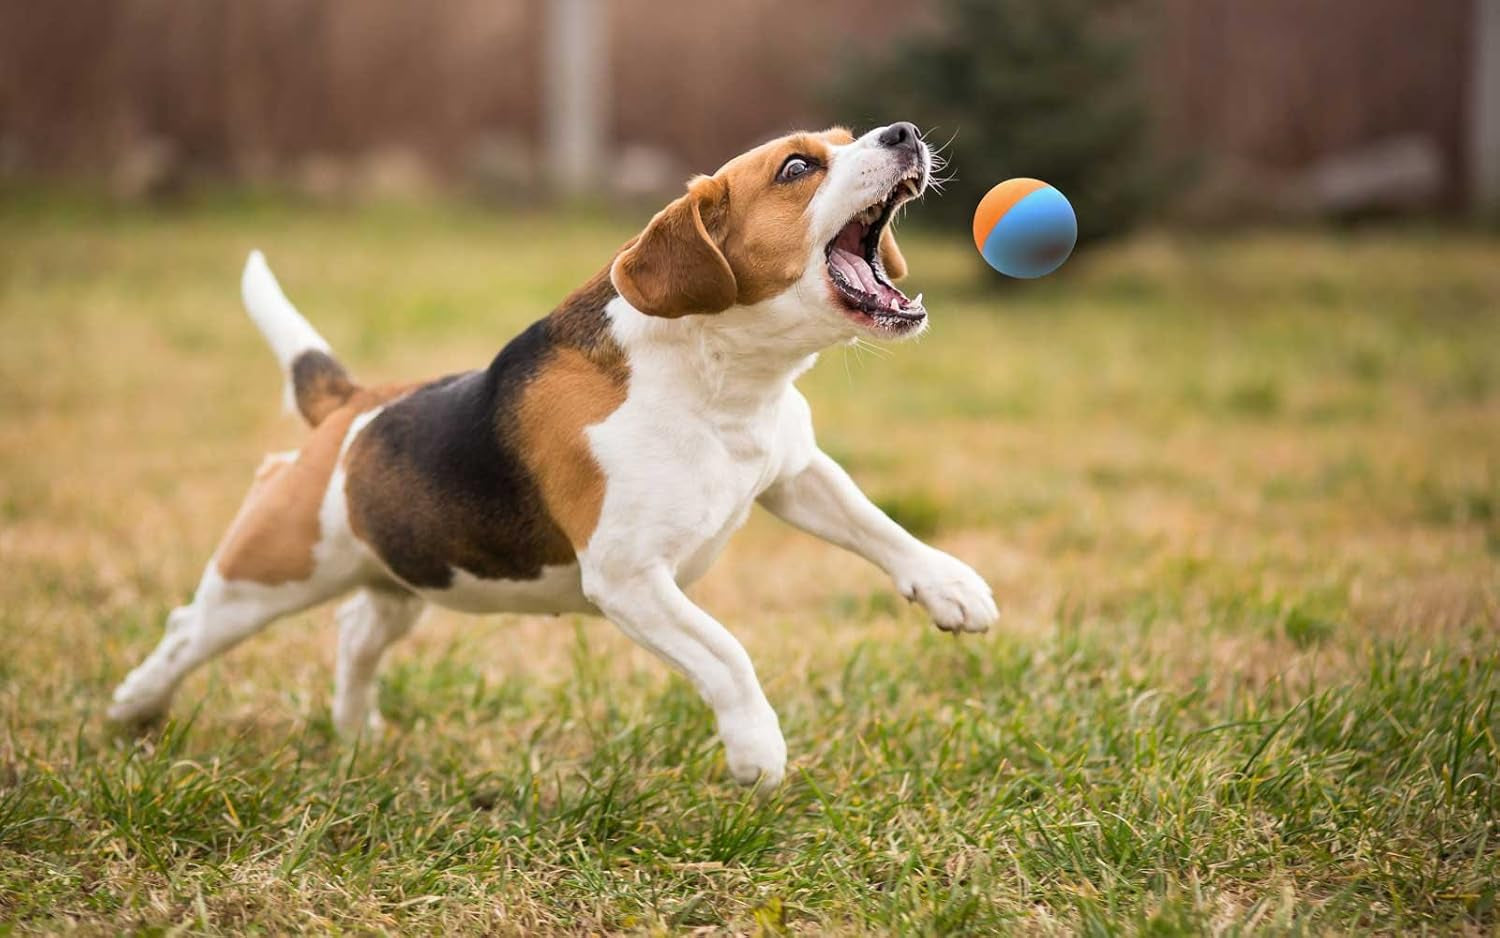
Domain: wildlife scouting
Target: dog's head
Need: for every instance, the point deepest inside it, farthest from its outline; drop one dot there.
(797, 229)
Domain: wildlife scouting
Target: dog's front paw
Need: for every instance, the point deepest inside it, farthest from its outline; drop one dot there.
(754, 748)
(954, 595)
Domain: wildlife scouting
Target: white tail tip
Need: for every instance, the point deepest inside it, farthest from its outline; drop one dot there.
(288, 334)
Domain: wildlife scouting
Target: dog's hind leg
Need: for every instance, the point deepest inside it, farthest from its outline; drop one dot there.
(369, 622)
(222, 614)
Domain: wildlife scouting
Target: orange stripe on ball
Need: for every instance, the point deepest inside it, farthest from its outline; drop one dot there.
(997, 202)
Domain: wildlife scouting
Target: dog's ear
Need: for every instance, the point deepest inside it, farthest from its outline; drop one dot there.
(890, 255)
(675, 267)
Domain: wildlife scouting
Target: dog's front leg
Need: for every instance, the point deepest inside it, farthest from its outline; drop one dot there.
(822, 500)
(648, 606)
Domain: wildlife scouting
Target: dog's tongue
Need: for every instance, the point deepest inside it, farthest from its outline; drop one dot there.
(855, 270)
(858, 272)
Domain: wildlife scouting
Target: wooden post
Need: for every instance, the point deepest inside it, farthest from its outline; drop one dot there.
(1484, 113)
(576, 48)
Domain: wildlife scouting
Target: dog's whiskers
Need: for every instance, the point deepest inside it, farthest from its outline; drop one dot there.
(939, 183)
(937, 151)
(848, 372)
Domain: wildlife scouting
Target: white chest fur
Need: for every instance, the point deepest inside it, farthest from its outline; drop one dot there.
(700, 435)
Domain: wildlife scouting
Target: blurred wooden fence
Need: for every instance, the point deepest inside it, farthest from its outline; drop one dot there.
(1282, 83)
(253, 88)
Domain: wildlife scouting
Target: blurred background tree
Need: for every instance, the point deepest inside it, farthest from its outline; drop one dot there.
(1043, 88)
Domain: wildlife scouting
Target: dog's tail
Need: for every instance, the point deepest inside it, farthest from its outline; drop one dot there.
(316, 384)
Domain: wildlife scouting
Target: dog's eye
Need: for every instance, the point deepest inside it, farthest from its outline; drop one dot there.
(793, 167)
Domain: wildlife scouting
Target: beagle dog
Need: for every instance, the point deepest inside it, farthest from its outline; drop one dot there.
(603, 458)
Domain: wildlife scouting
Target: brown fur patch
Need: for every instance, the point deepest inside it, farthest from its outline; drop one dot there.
(320, 384)
(272, 537)
(764, 232)
(738, 236)
(568, 395)
(480, 472)
(579, 323)
(430, 501)
(675, 267)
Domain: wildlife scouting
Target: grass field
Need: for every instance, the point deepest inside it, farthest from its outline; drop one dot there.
(1239, 498)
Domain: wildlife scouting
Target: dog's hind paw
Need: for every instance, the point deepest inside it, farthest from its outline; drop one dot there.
(136, 711)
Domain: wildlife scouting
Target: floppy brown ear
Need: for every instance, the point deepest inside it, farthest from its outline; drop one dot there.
(675, 267)
(890, 255)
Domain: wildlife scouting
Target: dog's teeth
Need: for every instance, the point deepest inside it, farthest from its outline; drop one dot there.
(915, 301)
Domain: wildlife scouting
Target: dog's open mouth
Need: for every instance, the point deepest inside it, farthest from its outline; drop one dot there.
(859, 279)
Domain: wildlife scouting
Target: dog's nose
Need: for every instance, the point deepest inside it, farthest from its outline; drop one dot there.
(901, 135)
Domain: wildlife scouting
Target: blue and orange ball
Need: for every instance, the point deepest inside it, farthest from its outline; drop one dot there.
(1025, 228)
